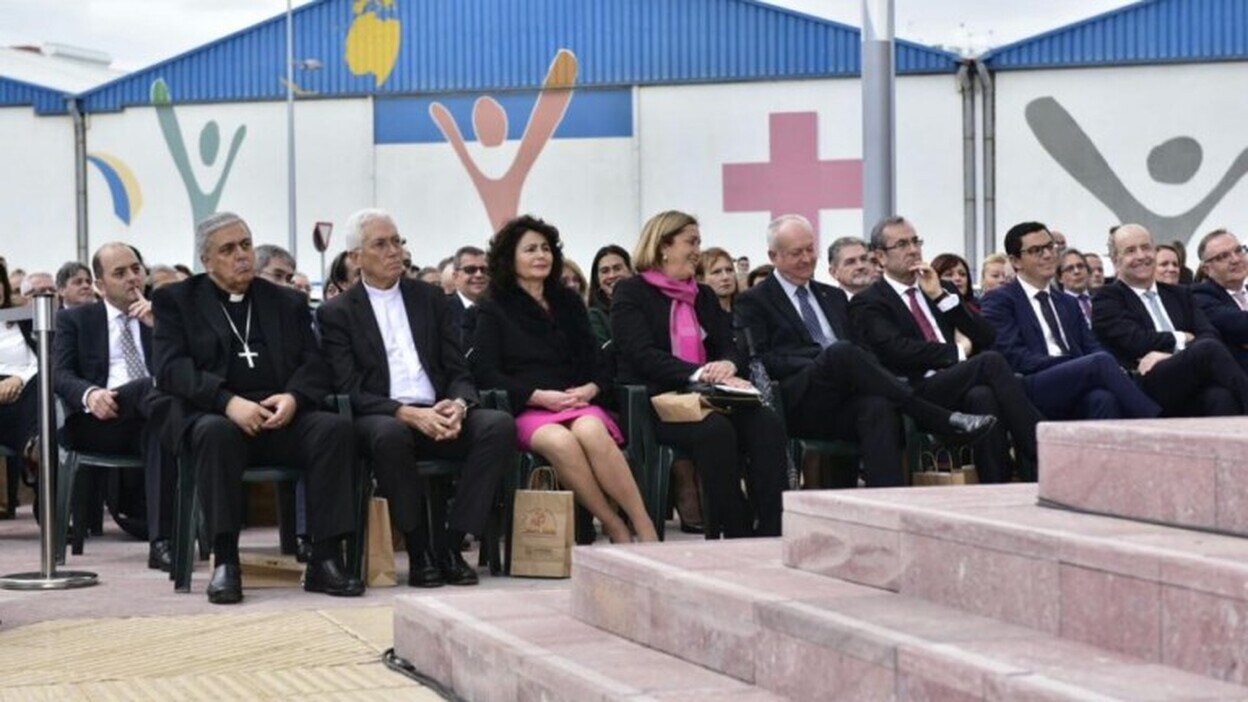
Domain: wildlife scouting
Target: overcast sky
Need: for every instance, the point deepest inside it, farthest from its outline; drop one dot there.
(137, 33)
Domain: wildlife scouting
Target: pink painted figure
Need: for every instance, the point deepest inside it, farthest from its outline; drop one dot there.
(501, 196)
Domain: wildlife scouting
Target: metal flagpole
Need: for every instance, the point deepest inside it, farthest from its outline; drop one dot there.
(879, 121)
(46, 578)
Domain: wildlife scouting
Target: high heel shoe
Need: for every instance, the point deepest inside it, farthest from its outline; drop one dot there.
(689, 525)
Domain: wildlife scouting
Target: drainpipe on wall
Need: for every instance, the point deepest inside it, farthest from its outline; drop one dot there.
(990, 158)
(966, 86)
(80, 176)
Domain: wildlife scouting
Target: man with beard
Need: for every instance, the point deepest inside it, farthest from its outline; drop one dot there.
(924, 332)
(850, 265)
(1158, 330)
(103, 354)
(239, 355)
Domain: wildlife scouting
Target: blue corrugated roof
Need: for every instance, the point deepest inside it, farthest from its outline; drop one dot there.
(46, 101)
(476, 45)
(1152, 31)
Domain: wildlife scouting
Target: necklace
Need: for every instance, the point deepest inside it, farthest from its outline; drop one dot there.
(246, 354)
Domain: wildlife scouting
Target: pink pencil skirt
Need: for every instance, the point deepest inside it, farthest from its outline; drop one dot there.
(533, 419)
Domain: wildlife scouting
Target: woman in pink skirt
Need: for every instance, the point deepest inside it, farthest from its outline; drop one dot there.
(533, 340)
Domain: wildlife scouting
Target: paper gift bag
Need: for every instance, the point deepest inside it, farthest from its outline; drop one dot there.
(680, 407)
(542, 530)
(966, 466)
(939, 467)
(380, 546)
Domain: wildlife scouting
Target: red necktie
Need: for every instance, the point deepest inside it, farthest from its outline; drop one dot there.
(920, 317)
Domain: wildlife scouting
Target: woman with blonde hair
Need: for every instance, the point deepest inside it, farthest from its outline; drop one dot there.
(717, 269)
(670, 331)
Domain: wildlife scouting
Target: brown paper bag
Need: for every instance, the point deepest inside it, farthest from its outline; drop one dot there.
(939, 467)
(966, 466)
(680, 407)
(542, 530)
(380, 552)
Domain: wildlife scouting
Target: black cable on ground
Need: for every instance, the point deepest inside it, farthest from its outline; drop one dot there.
(403, 667)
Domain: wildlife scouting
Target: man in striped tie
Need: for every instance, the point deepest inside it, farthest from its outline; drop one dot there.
(103, 355)
(1158, 330)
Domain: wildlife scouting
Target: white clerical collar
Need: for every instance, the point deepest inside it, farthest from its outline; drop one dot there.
(386, 294)
(236, 297)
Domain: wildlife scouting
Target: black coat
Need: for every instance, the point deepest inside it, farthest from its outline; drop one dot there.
(769, 326)
(80, 350)
(641, 329)
(356, 352)
(1125, 328)
(191, 347)
(1226, 316)
(882, 321)
(520, 348)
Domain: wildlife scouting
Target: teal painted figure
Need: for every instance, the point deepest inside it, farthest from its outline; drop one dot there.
(202, 203)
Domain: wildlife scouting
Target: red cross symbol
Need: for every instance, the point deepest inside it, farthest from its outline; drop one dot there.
(794, 181)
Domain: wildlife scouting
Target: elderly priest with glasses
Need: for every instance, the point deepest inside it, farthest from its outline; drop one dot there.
(237, 354)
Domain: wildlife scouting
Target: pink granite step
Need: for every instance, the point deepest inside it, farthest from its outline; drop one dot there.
(523, 645)
(1166, 595)
(735, 608)
(1181, 472)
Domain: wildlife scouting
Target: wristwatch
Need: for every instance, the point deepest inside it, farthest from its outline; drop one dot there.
(463, 406)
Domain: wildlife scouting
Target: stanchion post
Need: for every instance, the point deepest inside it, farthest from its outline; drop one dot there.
(44, 307)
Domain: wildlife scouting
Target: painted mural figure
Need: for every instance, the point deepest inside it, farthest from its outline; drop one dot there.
(501, 196)
(373, 42)
(1174, 161)
(202, 203)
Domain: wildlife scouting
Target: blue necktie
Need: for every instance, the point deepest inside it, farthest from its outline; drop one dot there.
(1162, 321)
(810, 318)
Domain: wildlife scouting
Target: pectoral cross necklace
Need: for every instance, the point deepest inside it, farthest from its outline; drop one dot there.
(246, 354)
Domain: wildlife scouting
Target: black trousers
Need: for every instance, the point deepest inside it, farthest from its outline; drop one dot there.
(1202, 380)
(850, 396)
(130, 433)
(486, 445)
(320, 443)
(19, 420)
(749, 443)
(984, 384)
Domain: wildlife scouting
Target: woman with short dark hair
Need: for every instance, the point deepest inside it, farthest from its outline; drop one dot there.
(533, 340)
(611, 265)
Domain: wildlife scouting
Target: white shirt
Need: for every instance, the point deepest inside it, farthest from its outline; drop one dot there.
(117, 373)
(791, 290)
(16, 358)
(1050, 335)
(949, 302)
(1180, 341)
(464, 299)
(409, 383)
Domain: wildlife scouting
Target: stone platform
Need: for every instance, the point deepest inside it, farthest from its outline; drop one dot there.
(1181, 472)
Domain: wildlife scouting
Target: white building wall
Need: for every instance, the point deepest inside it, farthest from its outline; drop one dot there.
(1125, 112)
(37, 223)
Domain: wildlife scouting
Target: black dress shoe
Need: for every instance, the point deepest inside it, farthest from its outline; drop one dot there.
(330, 577)
(226, 586)
(969, 428)
(424, 571)
(456, 571)
(303, 548)
(160, 556)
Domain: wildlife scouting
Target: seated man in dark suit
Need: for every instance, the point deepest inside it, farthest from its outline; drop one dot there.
(1158, 330)
(471, 278)
(237, 355)
(1043, 336)
(1222, 296)
(103, 354)
(831, 387)
(1075, 279)
(922, 331)
(394, 348)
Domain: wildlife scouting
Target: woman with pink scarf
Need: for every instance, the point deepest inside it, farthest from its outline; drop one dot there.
(670, 331)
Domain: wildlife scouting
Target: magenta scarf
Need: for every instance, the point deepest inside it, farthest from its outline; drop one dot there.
(684, 328)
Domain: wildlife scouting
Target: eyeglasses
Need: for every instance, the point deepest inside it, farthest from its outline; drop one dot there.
(1074, 267)
(1226, 255)
(1040, 249)
(473, 270)
(911, 243)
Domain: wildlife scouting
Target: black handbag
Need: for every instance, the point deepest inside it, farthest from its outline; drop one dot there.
(725, 398)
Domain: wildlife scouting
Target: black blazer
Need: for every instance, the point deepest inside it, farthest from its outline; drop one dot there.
(191, 347)
(520, 348)
(882, 321)
(641, 328)
(769, 327)
(463, 318)
(1124, 327)
(80, 351)
(1222, 312)
(356, 352)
